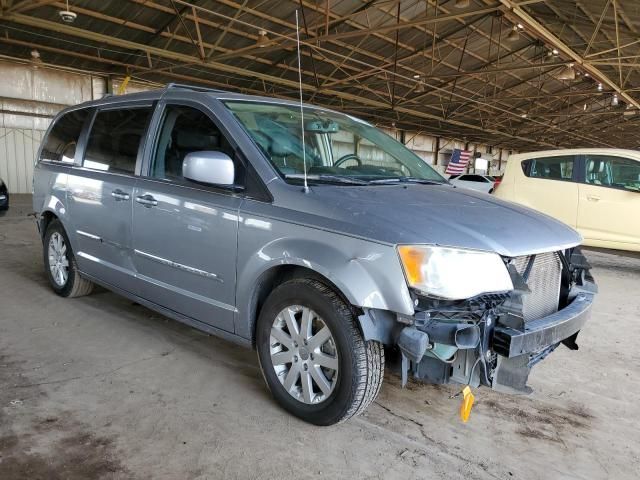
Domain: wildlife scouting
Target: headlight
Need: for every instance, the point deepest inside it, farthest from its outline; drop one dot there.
(452, 273)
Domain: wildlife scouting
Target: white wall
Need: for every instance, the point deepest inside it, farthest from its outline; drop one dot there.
(18, 148)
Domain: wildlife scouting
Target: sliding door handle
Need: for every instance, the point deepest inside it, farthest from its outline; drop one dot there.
(119, 195)
(147, 200)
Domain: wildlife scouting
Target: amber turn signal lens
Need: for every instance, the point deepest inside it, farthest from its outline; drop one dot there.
(412, 260)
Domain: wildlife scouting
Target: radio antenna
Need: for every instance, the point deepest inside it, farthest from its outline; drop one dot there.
(304, 150)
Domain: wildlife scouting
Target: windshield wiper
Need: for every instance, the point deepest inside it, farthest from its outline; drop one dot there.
(393, 180)
(325, 178)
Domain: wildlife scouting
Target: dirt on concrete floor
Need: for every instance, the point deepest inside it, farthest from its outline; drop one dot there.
(99, 387)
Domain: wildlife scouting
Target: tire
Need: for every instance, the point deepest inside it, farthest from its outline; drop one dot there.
(73, 285)
(360, 364)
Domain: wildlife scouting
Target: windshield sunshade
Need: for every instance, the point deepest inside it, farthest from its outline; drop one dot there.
(335, 144)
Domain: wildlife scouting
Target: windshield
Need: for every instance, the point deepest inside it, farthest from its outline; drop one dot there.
(337, 146)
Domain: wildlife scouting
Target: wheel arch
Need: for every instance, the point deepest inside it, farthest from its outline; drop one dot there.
(366, 275)
(279, 274)
(47, 216)
(51, 208)
(45, 219)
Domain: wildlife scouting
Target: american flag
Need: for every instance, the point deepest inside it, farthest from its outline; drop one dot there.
(458, 162)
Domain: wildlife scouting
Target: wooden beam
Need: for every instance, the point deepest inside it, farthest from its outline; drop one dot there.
(199, 36)
(412, 23)
(26, 5)
(221, 67)
(544, 34)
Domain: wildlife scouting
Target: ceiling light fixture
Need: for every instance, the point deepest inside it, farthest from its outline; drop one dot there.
(600, 87)
(462, 3)
(514, 35)
(420, 87)
(67, 16)
(36, 61)
(262, 41)
(555, 52)
(567, 73)
(614, 100)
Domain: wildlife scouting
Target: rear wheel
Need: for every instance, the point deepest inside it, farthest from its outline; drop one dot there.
(313, 356)
(60, 264)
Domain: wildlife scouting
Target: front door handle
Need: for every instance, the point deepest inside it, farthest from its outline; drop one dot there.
(147, 200)
(119, 195)
(593, 198)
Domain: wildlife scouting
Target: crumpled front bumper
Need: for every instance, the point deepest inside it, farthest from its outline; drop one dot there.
(544, 332)
(498, 350)
(519, 349)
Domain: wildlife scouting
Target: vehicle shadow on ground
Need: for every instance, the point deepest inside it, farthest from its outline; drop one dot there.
(617, 260)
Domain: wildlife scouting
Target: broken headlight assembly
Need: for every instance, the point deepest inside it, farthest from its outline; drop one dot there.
(452, 273)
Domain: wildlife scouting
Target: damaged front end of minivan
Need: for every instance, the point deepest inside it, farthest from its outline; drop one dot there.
(494, 339)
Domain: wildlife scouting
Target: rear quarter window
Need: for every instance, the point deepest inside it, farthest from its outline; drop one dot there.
(60, 143)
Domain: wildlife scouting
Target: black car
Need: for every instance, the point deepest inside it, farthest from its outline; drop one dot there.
(4, 197)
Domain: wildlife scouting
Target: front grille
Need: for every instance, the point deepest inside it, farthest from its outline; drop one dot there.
(543, 281)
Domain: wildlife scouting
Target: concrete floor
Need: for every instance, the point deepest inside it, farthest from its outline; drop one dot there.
(98, 387)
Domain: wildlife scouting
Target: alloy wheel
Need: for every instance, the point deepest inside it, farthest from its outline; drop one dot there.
(304, 354)
(58, 261)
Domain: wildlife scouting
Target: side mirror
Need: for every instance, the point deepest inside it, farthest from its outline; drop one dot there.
(210, 167)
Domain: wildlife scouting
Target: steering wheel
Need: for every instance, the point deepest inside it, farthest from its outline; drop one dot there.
(348, 156)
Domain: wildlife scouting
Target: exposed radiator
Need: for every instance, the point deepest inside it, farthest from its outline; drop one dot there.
(543, 281)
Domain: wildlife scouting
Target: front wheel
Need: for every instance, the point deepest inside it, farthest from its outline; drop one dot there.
(313, 356)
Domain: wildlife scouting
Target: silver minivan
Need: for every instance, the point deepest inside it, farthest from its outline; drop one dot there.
(309, 235)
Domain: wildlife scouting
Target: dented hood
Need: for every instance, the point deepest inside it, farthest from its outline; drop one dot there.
(440, 215)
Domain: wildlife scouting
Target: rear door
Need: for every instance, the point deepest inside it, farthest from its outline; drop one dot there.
(184, 233)
(100, 194)
(549, 185)
(609, 201)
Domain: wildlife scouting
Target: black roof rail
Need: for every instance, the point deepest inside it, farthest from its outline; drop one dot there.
(193, 87)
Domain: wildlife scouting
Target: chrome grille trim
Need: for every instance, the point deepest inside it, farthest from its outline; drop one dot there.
(543, 281)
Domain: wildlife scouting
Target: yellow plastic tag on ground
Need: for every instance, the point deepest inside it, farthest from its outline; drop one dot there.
(467, 404)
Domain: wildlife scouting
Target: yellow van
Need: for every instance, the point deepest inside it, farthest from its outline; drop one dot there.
(594, 190)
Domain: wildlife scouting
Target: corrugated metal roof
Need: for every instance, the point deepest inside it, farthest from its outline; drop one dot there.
(373, 58)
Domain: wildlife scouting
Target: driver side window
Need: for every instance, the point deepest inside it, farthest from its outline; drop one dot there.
(185, 130)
